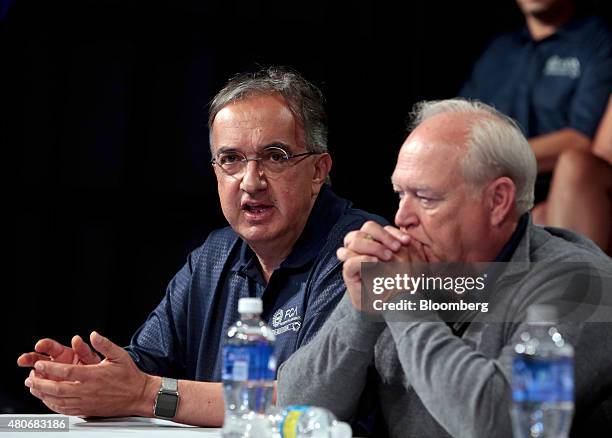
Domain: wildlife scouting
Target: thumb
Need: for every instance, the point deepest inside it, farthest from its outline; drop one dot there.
(83, 351)
(109, 350)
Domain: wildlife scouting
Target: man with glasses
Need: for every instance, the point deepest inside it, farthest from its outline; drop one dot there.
(268, 141)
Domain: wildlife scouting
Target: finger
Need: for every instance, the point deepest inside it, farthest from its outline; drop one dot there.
(366, 244)
(344, 254)
(62, 402)
(29, 359)
(349, 237)
(63, 371)
(54, 349)
(34, 374)
(41, 375)
(351, 270)
(381, 235)
(64, 411)
(85, 354)
(398, 234)
(54, 388)
(103, 345)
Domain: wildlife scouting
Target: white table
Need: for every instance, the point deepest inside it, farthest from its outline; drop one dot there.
(133, 427)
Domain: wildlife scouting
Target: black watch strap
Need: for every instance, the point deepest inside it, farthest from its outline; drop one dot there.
(166, 402)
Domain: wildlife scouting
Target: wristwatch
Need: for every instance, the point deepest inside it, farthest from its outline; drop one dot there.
(166, 402)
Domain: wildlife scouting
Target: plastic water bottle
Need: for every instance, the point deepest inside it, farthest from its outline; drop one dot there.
(300, 421)
(249, 368)
(542, 378)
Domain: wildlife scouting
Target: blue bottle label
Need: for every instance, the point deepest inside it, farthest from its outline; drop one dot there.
(249, 362)
(542, 380)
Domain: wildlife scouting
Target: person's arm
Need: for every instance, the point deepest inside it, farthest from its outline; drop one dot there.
(548, 147)
(602, 145)
(584, 113)
(116, 387)
(126, 384)
(331, 370)
(200, 404)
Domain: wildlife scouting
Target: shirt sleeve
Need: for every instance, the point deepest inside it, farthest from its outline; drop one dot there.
(331, 370)
(325, 295)
(328, 286)
(158, 347)
(591, 96)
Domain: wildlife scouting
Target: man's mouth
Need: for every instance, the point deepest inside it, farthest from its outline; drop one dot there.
(255, 208)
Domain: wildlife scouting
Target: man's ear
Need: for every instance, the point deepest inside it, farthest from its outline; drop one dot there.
(323, 164)
(501, 195)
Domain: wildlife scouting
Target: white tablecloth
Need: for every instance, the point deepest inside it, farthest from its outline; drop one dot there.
(133, 427)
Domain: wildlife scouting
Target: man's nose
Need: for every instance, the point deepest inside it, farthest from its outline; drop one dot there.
(253, 179)
(407, 214)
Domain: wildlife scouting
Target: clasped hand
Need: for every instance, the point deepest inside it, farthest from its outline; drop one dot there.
(77, 381)
(375, 243)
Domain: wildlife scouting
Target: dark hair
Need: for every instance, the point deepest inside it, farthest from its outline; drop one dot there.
(303, 99)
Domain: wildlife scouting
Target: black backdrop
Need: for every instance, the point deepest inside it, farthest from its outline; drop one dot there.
(105, 145)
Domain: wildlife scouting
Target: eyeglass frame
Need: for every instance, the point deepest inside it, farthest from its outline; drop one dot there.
(245, 161)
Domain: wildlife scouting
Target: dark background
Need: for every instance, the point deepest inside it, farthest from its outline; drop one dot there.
(105, 146)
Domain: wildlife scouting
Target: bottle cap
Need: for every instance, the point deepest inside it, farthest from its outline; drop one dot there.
(340, 429)
(542, 313)
(250, 305)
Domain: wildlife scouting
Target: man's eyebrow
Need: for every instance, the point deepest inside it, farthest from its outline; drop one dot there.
(276, 144)
(420, 192)
(415, 189)
(226, 149)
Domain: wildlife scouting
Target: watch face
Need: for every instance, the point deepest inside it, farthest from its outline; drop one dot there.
(166, 405)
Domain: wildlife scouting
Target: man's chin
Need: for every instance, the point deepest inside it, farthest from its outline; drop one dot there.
(257, 234)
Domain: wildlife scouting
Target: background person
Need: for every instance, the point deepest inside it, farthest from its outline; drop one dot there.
(553, 77)
(581, 189)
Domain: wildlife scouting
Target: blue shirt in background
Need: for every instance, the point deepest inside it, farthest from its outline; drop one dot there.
(562, 81)
(182, 337)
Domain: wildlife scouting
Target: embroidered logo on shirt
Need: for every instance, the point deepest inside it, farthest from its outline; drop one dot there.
(277, 318)
(557, 66)
(286, 320)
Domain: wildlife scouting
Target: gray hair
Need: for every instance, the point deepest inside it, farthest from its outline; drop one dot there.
(496, 146)
(304, 100)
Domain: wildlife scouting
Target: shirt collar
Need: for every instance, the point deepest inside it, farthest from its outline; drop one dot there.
(567, 30)
(508, 249)
(324, 214)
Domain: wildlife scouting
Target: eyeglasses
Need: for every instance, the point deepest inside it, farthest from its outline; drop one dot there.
(273, 160)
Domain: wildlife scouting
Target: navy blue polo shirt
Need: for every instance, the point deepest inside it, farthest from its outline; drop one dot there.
(183, 336)
(561, 81)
